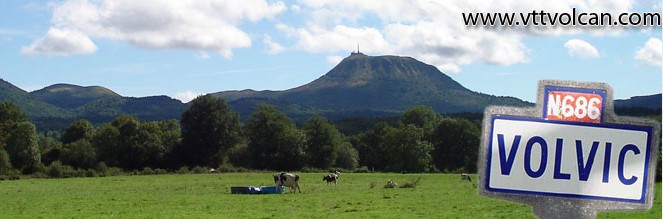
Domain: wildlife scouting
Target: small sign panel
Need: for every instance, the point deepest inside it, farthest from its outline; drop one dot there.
(568, 159)
(578, 105)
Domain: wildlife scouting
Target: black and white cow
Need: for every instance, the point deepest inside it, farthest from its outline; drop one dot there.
(288, 180)
(333, 177)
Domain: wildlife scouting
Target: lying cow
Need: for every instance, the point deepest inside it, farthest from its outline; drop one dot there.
(391, 184)
(465, 176)
(288, 180)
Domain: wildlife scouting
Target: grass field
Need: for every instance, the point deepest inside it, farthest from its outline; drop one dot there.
(208, 196)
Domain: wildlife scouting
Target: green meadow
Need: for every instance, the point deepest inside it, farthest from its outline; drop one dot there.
(357, 195)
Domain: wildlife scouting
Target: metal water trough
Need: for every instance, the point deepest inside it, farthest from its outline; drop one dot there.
(257, 190)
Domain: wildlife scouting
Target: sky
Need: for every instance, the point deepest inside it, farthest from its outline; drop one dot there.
(186, 48)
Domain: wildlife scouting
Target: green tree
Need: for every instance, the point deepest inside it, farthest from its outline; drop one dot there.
(130, 156)
(157, 140)
(370, 144)
(348, 157)
(239, 155)
(23, 147)
(456, 143)
(5, 163)
(274, 141)
(131, 144)
(50, 146)
(107, 142)
(79, 154)
(9, 115)
(81, 129)
(323, 140)
(209, 129)
(171, 138)
(10, 112)
(405, 150)
(422, 117)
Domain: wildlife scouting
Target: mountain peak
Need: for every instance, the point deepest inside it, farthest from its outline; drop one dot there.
(357, 54)
(374, 85)
(359, 69)
(389, 84)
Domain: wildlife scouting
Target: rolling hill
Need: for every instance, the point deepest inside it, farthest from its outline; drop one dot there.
(34, 108)
(56, 106)
(360, 86)
(69, 96)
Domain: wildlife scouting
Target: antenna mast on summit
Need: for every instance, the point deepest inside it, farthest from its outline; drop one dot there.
(357, 47)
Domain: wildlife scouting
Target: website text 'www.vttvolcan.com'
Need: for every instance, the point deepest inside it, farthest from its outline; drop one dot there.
(571, 18)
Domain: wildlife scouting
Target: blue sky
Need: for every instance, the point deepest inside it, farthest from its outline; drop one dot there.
(185, 48)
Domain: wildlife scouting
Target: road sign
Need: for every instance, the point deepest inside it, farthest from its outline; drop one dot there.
(569, 104)
(570, 156)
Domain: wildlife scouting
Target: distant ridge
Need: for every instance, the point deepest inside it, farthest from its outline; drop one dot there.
(360, 86)
(648, 102)
(34, 108)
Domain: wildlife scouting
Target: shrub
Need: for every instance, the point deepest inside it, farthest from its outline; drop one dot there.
(183, 170)
(91, 173)
(5, 164)
(311, 170)
(147, 171)
(199, 170)
(79, 172)
(69, 172)
(11, 174)
(114, 171)
(362, 169)
(40, 169)
(229, 168)
(101, 169)
(160, 171)
(55, 170)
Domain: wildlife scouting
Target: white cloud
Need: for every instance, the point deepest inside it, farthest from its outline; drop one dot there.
(186, 96)
(295, 8)
(449, 68)
(210, 25)
(61, 42)
(651, 53)
(272, 47)
(339, 38)
(581, 48)
(203, 55)
(433, 31)
(334, 60)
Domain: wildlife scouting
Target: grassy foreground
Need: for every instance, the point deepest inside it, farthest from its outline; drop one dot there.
(208, 196)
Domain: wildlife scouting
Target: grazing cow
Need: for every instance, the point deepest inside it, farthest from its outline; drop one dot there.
(331, 178)
(465, 176)
(288, 180)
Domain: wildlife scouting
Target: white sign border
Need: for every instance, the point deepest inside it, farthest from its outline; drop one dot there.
(646, 176)
(565, 207)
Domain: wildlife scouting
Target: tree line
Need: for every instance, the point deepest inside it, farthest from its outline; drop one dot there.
(210, 134)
